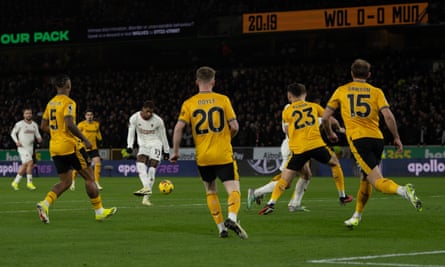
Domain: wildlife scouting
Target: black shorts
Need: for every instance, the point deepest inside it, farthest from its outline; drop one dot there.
(367, 152)
(78, 160)
(321, 154)
(93, 153)
(225, 172)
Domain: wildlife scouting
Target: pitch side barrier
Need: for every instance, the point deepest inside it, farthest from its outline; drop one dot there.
(252, 161)
(187, 168)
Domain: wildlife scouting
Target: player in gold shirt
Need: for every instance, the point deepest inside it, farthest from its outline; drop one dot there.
(59, 120)
(361, 104)
(91, 129)
(301, 124)
(213, 122)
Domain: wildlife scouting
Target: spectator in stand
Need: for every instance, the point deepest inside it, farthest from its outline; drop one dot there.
(259, 125)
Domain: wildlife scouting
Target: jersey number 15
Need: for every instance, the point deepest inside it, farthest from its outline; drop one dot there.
(358, 105)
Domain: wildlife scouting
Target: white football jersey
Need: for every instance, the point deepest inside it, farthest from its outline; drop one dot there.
(285, 150)
(25, 133)
(149, 132)
(283, 125)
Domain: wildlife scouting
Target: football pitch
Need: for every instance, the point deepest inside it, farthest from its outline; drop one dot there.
(179, 231)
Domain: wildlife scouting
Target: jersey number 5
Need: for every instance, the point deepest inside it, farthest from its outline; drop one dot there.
(52, 120)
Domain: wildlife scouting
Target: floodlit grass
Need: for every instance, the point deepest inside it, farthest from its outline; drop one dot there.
(179, 231)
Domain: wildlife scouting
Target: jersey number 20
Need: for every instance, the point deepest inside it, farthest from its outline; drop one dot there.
(217, 112)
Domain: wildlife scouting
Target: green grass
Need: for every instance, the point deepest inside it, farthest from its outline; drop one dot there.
(179, 231)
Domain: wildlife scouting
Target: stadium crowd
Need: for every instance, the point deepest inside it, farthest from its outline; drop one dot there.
(414, 90)
(114, 80)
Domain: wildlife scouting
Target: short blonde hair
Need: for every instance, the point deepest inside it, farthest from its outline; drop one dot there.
(205, 74)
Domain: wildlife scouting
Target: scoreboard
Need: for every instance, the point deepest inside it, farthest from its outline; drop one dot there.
(336, 18)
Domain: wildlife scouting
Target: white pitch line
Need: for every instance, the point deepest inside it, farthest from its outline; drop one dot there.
(381, 264)
(352, 260)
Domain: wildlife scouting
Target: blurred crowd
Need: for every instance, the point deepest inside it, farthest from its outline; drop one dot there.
(258, 93)
(115, 78)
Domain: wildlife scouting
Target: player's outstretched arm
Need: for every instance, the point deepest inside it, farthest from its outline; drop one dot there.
(69, 121)
(391, 123)
(177, 137)
(326, 123)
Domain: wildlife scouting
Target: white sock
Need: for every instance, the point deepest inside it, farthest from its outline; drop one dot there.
(18, 178)
(267, 188)
(99, 211)
(29, 178)
(142, 170)
(341, 193)
(297, 196)
(401, 191)
(151, 176)
(221, 227)
(232, 216)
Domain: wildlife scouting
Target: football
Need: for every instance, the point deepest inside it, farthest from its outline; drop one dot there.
(166, 187)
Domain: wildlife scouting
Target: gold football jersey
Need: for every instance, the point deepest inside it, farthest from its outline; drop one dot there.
(62, 141)
(208, 114)
(360, 104)
(301, 119)
(91, 130)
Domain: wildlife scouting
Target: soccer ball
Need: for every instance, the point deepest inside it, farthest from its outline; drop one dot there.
(166, 187)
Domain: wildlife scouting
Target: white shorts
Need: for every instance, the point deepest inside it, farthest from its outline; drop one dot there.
(153, 152)
(285, 153)
(25, 154)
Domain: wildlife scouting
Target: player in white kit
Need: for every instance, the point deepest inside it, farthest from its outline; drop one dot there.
(256, 195)
(24, 133)
(153, 145)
